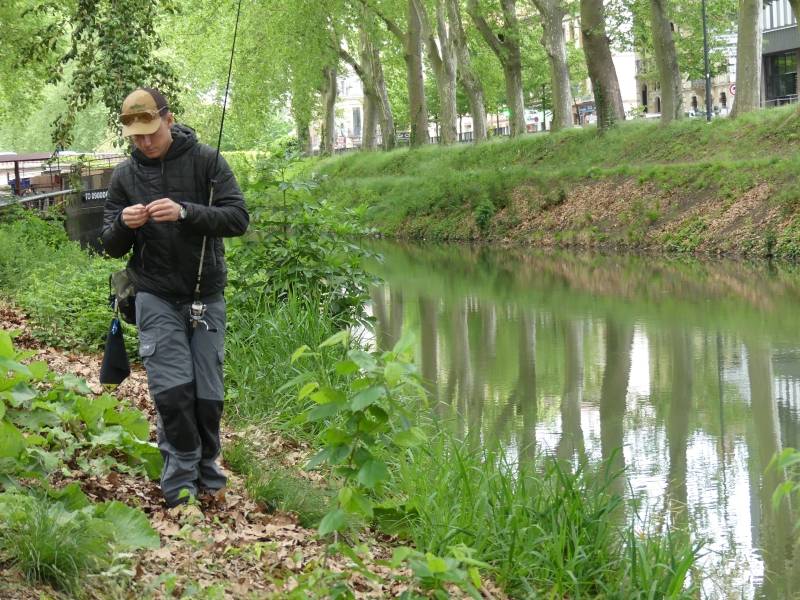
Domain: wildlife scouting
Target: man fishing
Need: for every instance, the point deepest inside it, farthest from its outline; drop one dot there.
(172, 201)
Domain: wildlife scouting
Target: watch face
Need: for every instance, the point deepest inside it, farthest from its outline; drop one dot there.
(182, 214)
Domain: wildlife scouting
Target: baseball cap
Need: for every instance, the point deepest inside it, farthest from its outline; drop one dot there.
(141, 111)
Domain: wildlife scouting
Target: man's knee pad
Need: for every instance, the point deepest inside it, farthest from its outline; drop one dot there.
(176, 407)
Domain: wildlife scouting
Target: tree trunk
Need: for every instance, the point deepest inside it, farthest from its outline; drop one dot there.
(417, 107)
(328, 106)
(508, 53)
(466, 75)
(669, 74)
(552, 13)
(605, 85)
(441, 55)
(368, 139)
(748, 58)
(385, 116)
(303, 135)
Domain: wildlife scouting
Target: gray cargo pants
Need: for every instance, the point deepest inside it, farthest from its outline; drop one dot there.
(184, 374)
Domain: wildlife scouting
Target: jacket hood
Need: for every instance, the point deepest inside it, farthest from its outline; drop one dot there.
(183, 139)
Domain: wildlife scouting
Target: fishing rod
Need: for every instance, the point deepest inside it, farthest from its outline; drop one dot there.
(197, 311)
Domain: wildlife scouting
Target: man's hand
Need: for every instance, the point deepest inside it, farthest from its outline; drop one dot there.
(164, 210)
(135, 216)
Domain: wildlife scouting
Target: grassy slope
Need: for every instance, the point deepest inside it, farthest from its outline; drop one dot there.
(728, 186)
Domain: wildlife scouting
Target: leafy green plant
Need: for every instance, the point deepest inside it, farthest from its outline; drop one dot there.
(47, 420)
(374, 416)
(435, 573)
(297, 245)
(483, 213)
(58, 536)
(787, 461)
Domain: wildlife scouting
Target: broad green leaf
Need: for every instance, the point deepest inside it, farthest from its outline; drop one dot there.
(6, 364)
(327, 395)
(131, 528)
(2, 408)
(410, 438)
(372, 473)
(364, 360)
(333, 521)
(367, 397)
(21, 393)
(12, 442)
(401, 554)
(335, 436)
(300, 352)
(132, 421)
(71, 497)
(319, 458)
(354, 501)
(436, 564)
(6, 345)
(75, 384)
(474, 576)
(34, 420)
(148, 455)
(39, 369)
(405, 345)
(341, 337)
(393, 372)
(307, 389)
(323, 411)
(346, 367)
(91, 409)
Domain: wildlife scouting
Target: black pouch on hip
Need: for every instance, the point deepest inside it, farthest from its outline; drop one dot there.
(122, 297)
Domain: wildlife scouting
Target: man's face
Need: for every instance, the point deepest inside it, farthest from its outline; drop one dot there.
(156, 144)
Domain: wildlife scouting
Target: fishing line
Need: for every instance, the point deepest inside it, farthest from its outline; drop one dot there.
(198, 309)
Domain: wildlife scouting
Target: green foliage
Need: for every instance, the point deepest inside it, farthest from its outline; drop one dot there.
(787, 462)
(64, 289)
(687, 237)
(544, 530)
(296, 246)
(59, 536)
(47, 420)
(483, 212)
(435, 573)
(373, 417)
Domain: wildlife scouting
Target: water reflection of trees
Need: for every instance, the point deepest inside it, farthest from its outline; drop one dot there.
(542, 379)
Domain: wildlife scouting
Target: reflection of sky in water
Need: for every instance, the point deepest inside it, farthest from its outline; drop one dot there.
(718, 495)
(722, 436)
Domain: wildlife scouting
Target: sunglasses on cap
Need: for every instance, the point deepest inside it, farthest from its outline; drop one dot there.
(147, 116)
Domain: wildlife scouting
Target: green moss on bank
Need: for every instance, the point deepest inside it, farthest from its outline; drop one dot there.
(724, 187)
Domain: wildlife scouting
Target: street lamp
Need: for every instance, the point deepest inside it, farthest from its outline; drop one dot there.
(705, 62)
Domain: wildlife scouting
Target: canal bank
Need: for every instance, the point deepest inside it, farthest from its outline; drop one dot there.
(728, 187)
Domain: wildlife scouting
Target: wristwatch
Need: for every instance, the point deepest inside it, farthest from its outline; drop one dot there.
(182, 213)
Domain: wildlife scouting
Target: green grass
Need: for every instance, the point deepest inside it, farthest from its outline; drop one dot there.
(459, 192)
(546, 531)
(279, 487)
(49, 543)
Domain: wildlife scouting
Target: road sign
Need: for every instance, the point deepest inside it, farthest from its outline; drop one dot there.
(732, 89)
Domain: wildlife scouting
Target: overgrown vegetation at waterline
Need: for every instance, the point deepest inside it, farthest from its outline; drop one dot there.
(386, 462)
(728, 186)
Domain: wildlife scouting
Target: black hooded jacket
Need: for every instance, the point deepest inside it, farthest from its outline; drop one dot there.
(166, 255)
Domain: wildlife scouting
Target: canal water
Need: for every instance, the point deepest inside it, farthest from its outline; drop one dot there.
(691, 368)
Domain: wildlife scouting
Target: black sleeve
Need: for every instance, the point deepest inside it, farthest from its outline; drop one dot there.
(117, 237)
(227, 216)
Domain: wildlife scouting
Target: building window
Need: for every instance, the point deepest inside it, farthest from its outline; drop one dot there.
(780, 75)
(356, 122)
(644, 98)
(694, 103)
(723, 100)
(658, 104)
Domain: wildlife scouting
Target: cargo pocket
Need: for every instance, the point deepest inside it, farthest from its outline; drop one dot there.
(147, 346)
